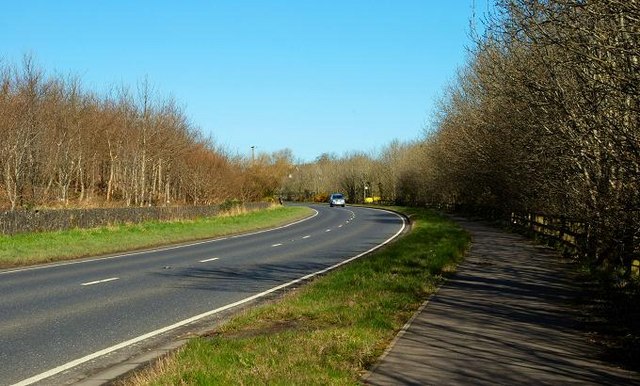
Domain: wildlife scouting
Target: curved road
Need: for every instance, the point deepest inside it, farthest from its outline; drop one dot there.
(54, 317)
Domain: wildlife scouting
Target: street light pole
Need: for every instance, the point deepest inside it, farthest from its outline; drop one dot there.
(364, 200)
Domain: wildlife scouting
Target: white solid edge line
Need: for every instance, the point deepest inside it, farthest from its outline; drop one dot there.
(97, 354)
(100, 281)
(161, 249)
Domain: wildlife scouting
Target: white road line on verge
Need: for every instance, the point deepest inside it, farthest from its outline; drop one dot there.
(90, 260)
(208, 260)
(100, 281)
(276, 245)
(97, 354)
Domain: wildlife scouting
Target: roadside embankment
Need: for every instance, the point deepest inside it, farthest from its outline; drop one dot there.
(43, 247)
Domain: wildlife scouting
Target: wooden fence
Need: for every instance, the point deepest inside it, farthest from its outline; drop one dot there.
(574, 235)
(570, 233)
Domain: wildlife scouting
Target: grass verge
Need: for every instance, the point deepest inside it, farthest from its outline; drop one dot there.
(329, 331)
(35, 248)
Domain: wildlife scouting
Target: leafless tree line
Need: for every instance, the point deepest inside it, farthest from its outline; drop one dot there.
(62, 145)
(544, 118)
(391, 175)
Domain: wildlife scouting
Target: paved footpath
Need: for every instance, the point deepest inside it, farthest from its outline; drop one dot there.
(504, 318)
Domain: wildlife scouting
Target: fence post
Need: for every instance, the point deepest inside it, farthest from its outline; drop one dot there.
(563, 224)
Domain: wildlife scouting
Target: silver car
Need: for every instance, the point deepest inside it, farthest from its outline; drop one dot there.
(336, 199)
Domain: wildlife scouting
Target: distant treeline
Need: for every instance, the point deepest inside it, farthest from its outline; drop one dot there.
(62, 145)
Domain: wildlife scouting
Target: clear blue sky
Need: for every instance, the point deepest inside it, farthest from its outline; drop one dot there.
(312, 76)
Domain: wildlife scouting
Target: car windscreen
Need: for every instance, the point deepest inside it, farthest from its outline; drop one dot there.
(337, 196)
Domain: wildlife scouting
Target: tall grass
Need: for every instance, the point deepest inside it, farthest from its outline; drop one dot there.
(329, 331)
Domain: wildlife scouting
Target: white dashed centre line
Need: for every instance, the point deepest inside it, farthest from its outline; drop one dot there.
(306, 237)
(100, 281)
(277, 245)
(208, 260)
(328, 230)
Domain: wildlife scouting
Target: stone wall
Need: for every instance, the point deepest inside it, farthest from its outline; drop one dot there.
(13, 222)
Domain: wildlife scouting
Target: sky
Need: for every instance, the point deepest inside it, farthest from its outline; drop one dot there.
(310, 76)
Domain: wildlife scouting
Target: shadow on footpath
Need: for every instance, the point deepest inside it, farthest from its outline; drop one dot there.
(508, 316)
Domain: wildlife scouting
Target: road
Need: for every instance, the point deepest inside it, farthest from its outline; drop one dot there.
(55, 317)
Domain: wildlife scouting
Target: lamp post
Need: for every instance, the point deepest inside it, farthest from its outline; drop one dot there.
(365, 193)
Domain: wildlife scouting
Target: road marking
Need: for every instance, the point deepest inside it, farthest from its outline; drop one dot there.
(277, 245)
(100, 281)
(306, 237)
(108, 350)
(340, 226)
(328, 230)
(208, 260)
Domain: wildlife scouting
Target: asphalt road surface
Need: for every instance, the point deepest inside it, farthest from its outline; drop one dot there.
(55, 317)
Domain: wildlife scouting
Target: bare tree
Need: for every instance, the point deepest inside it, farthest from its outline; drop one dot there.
(544, 118)
(63, 145)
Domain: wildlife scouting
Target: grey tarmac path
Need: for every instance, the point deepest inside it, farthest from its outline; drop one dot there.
(505, 317)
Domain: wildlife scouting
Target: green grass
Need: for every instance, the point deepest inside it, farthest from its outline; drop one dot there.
(329, 331)
(35, 248)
